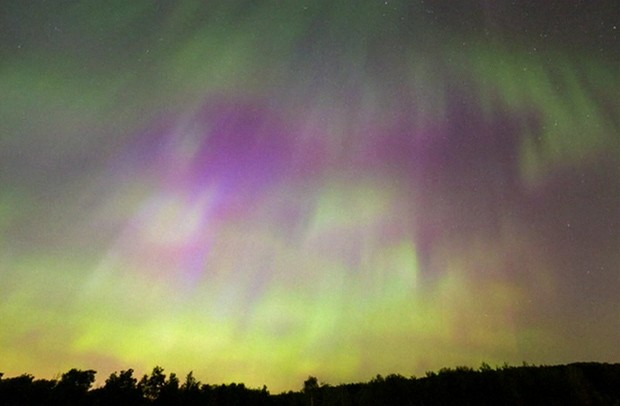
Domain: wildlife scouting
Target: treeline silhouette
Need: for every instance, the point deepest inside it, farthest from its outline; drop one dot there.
(573, 384)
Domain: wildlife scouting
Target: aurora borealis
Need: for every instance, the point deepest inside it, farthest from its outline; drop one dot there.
(259, 191)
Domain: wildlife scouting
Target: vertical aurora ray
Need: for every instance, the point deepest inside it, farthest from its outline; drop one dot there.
(259, 192)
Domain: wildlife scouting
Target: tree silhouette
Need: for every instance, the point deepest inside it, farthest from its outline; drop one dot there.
(169, 393)
(74, 385)
(152, 385)
(121, 389)
(190, 384)
(190, 390)
(311, 387)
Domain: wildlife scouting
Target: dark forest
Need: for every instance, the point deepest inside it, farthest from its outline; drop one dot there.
(572, 384)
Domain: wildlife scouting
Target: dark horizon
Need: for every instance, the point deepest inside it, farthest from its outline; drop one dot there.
(576, 383)
(99, 380)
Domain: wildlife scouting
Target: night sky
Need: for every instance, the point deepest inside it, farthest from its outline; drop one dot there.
(263, 190)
